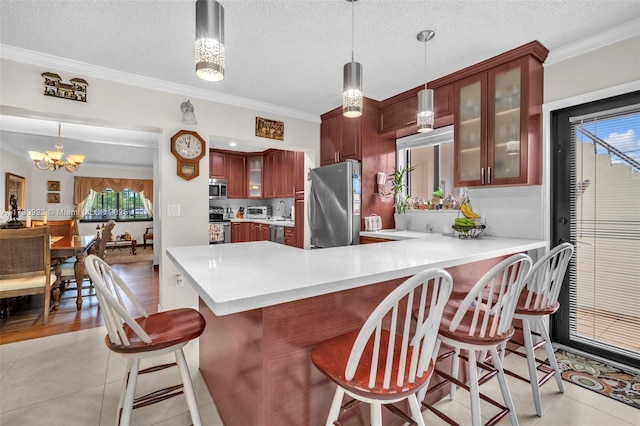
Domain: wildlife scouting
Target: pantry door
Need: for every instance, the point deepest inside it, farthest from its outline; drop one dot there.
(595, 181)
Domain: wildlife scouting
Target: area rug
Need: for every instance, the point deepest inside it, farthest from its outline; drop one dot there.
(119, 256)
(623, 386)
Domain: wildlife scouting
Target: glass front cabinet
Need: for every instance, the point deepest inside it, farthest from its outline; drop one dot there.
(497, 127)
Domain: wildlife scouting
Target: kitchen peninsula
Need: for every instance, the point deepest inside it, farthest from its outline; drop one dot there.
(267, 305)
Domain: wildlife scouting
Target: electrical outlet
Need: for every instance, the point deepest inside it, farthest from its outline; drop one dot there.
(179, 282)
(173, 210)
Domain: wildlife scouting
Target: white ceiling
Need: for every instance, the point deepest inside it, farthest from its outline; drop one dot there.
(288, 55)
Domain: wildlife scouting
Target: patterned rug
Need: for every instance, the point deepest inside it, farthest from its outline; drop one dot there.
(617, 384)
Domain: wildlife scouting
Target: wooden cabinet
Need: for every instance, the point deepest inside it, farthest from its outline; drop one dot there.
(341, 137)
(254, 176)
(240, 232)
(290, 236)
(398, 114)
(498, 120)
(281, 169)
(236, 176)
(371, 240)
(217, 164)
(259, 232)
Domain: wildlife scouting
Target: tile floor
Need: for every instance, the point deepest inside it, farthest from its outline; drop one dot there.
(73, 379)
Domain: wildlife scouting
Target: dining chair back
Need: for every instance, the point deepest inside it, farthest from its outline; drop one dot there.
(392, 356)
(25, 264)
(138, 335)
(539, 300)
(478, 324)
(57, 228)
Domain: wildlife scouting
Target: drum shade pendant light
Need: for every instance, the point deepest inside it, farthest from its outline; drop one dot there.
(352, 83)
(425, 96)
(209, 40)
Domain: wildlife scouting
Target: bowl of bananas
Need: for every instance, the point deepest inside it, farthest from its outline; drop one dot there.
(468, 226)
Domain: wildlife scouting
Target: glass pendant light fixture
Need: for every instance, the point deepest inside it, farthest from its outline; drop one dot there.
(209, 40)
(425, 96)
(352, 82)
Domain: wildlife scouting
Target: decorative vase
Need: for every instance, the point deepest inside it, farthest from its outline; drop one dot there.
(402, 221)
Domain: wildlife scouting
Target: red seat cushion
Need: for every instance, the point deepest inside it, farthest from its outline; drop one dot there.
(164, 328)
(521, 309)
(331, 357)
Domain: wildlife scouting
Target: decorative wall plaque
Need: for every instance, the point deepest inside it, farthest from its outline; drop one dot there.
(75, 90)
(269, 129)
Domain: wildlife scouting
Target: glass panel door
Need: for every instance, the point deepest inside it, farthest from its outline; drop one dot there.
(506, 144)
(470, 132)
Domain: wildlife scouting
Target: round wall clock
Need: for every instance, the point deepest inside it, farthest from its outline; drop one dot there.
(188, 148)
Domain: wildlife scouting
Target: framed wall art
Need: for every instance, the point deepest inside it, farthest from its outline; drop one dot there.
(53, 185)
(269, 129)
(16, 187)
(53, 197)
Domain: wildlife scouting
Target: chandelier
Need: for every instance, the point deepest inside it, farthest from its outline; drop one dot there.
(52, 160)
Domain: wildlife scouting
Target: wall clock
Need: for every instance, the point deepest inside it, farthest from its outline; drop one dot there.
(188, 148)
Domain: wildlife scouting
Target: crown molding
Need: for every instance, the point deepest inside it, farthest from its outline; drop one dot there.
(621, 32)
(75, 67)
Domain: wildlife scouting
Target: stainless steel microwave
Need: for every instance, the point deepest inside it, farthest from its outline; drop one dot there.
(217, 189)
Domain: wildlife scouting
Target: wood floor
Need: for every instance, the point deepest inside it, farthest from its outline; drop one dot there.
(27, 323)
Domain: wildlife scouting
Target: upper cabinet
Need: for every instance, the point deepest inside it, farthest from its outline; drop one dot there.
(498, 120)
(341, 137)
(236, 176)
(254, 176)
(217, 164)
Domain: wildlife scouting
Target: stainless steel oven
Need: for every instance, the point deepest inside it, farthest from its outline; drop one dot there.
(217, 189)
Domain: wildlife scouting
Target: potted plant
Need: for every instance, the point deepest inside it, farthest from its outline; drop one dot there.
(437, 196)
(398, 186)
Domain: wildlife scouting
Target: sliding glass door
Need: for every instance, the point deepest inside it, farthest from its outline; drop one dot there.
(596, 206)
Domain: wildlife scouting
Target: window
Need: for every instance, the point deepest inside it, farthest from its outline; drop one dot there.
(127, 205)
(432, 156)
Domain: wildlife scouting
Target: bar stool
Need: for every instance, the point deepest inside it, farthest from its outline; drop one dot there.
(478, 324)
(377, 366)
(144, 337)
(537, 302)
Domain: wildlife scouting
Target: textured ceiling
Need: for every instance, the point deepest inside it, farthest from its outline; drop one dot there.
(290, 54)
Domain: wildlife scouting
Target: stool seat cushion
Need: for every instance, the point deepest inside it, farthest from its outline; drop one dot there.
(165, 329)
(461, 334)
(331, 357)
(522, 308)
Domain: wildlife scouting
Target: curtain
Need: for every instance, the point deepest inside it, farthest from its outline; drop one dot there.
(85, 188)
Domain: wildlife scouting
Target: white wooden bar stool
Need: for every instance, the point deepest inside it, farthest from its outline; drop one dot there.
(478, 324)
(146, 336)
(377, 366)
(537, 302)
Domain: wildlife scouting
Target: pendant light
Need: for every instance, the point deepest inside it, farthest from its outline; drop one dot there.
(352, 82)
(209, 40)
(425, 96)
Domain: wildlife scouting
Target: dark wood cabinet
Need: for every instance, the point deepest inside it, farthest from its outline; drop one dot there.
(254, 176)
(259, 232)
(401, 114)
(498, 120)
(236, 176)
(341, 137)
(290, 236)
(217, 165)
(371, 240)
(240, 232)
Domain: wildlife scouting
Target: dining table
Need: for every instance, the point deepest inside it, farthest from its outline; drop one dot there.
(62, 248)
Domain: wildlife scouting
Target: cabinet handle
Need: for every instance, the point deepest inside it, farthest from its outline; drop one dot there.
(482, 175)
(411, 122)
(489, 175)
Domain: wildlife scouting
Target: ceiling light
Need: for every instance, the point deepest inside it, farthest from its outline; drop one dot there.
(209, 40)
(52, 160)
(352, 82)
(425, 96)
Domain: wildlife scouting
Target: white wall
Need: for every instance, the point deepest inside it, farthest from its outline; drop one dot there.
(124, 106)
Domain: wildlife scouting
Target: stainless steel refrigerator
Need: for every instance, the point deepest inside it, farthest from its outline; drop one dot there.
(334, 206)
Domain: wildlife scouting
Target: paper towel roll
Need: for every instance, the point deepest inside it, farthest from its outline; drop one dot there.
(382, 178)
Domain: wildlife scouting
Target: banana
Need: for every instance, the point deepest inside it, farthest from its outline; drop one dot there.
(468, 212)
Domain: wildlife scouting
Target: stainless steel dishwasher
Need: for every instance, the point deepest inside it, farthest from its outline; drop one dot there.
(276, 233)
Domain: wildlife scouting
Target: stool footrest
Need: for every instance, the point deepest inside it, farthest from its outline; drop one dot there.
(158, 396)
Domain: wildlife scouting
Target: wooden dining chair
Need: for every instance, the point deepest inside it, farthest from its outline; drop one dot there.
(537, 302)
(67, 268)
(57, 228)
(25, 264)
(137, 335)
(391, 357)
(479, 324)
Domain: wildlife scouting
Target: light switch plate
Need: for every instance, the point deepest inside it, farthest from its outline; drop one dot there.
(173, 210)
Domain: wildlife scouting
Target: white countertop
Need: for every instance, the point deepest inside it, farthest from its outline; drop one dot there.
(239, 277)
(392, 234)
